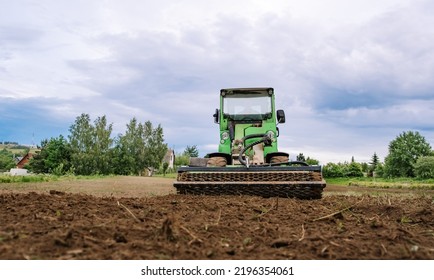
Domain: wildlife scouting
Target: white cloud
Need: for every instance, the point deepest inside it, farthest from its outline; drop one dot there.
(349, 74)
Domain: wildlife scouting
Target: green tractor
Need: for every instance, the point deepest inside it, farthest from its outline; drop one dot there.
(248, 160)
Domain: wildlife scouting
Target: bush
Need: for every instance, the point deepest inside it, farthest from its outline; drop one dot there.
(424, 167)
(333, 170)
(354, 169)
(338, 170)
(182, 160)
(379, 170)
(25, 179)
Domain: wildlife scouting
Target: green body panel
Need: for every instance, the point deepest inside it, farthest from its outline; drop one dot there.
(241, 130)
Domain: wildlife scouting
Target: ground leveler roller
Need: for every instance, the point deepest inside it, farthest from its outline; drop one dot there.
(248, 161)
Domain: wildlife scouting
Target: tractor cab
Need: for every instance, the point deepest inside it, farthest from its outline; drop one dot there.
(246, 116)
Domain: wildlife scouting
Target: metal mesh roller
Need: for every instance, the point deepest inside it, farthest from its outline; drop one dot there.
(273, 182)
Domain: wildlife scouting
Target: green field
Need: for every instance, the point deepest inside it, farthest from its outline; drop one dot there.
(17, 149)
(397, 183)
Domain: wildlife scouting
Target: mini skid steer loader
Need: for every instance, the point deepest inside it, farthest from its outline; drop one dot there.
(248, 161)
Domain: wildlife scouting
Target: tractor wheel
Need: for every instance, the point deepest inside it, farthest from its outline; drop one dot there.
(217, 162)
(279, 159)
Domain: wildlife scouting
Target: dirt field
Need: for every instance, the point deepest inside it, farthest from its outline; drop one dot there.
(142, 218)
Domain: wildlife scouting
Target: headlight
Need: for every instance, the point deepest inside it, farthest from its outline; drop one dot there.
(270, 134)
(225, 135)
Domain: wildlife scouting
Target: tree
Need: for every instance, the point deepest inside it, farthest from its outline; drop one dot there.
(6, 160)
(165, 167)
(300, 157)
(379, 170)
(365, 167)
(312, 161)
(373, 164)
(181, 160)
(90, 145)
(58, 156)
(308, 160)
(130, 150)
(354, 169)
(191, 151)
(141, 147)
(155, 148)
(81, 141)
(404, 151)
(333, 170)
(54, 157)
(374, 160)
(336, 170)
(424, 167)
(102, 144)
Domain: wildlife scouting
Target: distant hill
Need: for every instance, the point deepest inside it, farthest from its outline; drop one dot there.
(17, 148)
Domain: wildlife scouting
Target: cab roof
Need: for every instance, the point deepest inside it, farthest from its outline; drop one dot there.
(258, 90)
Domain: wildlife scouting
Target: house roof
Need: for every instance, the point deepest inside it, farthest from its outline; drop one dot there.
(24, 160)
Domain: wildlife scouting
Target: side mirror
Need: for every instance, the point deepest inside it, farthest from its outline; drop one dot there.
(280, 116)
(216, 116)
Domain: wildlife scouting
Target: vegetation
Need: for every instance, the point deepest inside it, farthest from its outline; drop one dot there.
(26, 179)
(91, 150)
(90, 145)
(410, 156)
(384, 183)
(9, 151)
(184, 157)
(191, 151)
(409, 164)
(36, 178)
(141, 146)
(308, 160)
(424, 167)
(396, 183)
(404, 152)
(354, 169)
(375, 162)
(6, 160)
(336, 170)
(55, 157)
(8, 143)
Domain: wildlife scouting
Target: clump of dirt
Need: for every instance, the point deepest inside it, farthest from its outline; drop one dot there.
(59, 225)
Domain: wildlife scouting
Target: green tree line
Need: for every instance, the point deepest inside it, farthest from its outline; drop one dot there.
(409, 155)
(90, 149)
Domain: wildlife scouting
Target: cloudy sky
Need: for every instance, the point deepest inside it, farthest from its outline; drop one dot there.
(350, 75)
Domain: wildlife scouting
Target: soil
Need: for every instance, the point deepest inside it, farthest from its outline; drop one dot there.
(53, 224)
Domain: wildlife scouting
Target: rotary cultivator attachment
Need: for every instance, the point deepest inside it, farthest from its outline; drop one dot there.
(299, 182)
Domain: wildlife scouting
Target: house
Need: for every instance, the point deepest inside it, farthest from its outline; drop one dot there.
(170, 158)
(24, 160)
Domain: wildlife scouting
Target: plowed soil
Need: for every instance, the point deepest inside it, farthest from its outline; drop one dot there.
(61, 224)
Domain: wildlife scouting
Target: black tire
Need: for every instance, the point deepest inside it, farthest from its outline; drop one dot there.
(279, 159)
(217, 162)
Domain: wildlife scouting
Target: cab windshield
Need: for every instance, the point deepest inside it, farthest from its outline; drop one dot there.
(247, 106)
